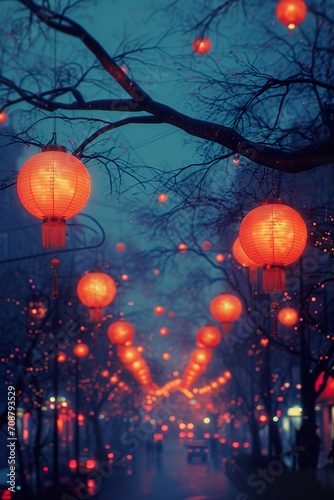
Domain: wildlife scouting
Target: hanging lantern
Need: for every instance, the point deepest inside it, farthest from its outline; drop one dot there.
(128, 354)
(226, 308)
(245, 261)
(202, 45)
(121, 332)
(81, 350)
(208, 336)
(288, 316)
(273, 235)
(96, 290)
(201, 356)
(291, 12)
(53, 186)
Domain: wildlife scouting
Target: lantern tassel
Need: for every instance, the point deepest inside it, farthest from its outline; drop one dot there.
(275, 308)
(273, 279)
(54, 232)
(55, 263)
(95, 314)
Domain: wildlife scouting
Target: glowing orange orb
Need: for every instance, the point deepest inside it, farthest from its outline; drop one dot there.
(220, 257)
(291, 12)
(201, 356)
(81, 350)
(226, 308)
(202, 45)
(159, 310)
(121, 332)
(164, 330)
(3, 117)
(206, 245)
(128, 354)
(182, 247)
(162, 197)
(288, 316)
(120, 247)
(208, 336)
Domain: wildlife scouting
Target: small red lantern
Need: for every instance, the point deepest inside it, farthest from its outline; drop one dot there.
(81, 350)
(273, 235)
(159, 310)
(53, 186)
(226, 308)
(121, 332)
(96, 290)
(202, 45)
(128, 354)
(288, 316)
(3, 117)
(208, 336)
(291, 12)
(243, 259)
(201, 356)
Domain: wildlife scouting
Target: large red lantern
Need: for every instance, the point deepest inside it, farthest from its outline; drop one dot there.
(202, 45)
(288, 316)
(226, 308)
(208, 336)
(291, 12)
(121, 332)
(242, 258)
(53, 186)
(96, 290)
(273, 235)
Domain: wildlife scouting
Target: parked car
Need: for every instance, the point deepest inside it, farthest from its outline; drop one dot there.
(197, 449)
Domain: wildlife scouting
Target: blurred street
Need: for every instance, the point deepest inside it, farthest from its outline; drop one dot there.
(169, 477)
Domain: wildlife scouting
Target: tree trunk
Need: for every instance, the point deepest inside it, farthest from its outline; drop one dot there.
(256, 444)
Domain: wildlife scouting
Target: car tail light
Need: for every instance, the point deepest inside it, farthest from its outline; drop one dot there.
(190, 450)
(206, 450)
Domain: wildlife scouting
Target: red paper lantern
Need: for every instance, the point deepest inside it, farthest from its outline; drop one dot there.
(201, 356)
(81, 350)
(226, 308)
(291, 12)
(128, 354)
(243, 259)
(208, 336)
(273, 235)
(96, 290)
(202, 45)
(53, 186)
(121, 332)
(288, 316)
